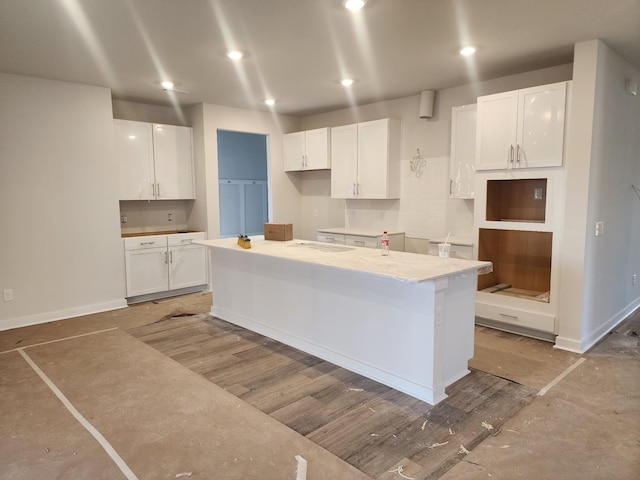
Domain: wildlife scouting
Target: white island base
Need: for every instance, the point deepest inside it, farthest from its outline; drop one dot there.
(404, 320)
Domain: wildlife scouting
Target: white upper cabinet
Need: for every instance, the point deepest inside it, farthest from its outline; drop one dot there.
(134, 153)
(463, 151)
(344, 153)
(522, 128)
(172, 146)
(366, 160)
(155, 161)
(308, 150)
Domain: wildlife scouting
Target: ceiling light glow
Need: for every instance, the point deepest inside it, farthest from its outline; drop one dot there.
(167, 85)
(235, 54)
(354, 4)
(467, 51)
(346, 82)
(270, 101)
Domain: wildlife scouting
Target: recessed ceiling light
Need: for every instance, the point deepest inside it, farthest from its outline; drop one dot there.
(467, 51)
(234, 54)
(270, 102)
(167, 85)
(346, 82)
(354, 4)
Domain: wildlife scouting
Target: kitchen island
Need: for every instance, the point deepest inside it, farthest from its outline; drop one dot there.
(405, 320)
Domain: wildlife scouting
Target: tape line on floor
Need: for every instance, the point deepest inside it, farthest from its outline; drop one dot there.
(83, 421)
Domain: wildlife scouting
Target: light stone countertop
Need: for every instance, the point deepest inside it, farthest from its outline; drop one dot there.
(363, 232)
(403, 266)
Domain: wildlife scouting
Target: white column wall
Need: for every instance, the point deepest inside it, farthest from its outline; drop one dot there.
(60, 247)
(603, 149)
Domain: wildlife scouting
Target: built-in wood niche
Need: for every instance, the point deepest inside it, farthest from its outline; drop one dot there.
(522, 200)
(521, 263)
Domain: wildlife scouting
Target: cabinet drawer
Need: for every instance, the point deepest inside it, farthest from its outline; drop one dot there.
(184, 238)
(361, 241)
(331, 238)
(522, 318)
(149, 241)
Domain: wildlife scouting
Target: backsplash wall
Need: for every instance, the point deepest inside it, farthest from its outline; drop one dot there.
(153, 215)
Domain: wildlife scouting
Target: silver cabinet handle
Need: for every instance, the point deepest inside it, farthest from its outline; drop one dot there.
(158, 189)
(511, 317)
(166, 257)
(518, 155)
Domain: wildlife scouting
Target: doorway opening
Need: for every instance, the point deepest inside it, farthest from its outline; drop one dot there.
(242, 182)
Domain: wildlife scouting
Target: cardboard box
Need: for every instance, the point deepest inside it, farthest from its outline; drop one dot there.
(278, 231)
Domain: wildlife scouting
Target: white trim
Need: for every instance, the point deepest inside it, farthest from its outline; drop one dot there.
(9, 323)
(83, 421)
(582, 346)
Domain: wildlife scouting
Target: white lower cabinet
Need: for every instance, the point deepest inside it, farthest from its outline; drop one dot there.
(163, 265)
(360, 238)
(187, 263)
(459, 248)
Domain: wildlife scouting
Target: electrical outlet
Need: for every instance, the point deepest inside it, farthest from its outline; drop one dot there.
(8, 294)
(537, 193)
(599, 229)
(634, 279)
(170, 217)
(123, 219)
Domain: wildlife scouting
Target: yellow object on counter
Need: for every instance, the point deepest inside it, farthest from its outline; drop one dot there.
(244, 241)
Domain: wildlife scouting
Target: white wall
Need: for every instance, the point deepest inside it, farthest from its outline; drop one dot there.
(603, 152)
(424, 209)
(284, 190)
(60, 248)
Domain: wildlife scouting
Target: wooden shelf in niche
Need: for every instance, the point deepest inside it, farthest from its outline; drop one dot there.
(521, 263)
(522, 200)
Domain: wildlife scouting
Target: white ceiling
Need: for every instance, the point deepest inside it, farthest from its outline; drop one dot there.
(297, 50)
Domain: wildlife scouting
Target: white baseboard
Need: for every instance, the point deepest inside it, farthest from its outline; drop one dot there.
(583, 345)
(10, 323)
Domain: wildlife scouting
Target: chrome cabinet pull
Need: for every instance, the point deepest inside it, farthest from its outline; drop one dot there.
(511, 317)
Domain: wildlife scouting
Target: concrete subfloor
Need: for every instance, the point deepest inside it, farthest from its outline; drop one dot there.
(584, 424)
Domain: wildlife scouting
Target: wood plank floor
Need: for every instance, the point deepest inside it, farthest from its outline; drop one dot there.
(371, 426)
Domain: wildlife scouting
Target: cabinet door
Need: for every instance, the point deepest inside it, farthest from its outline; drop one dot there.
(497, 131)
(173, 162)
(134, 154)
(344, 161)
(373, 159)
(294, 151)
(317, 149)
(146, 271)
(463, 151)
(187, 266)
(541, 126)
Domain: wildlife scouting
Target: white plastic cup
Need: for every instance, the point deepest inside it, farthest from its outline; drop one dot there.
(444, 249)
